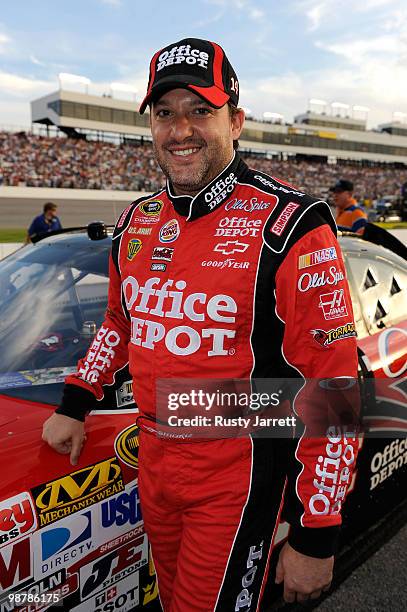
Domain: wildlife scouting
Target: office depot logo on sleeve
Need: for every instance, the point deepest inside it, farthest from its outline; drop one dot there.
(283, 218)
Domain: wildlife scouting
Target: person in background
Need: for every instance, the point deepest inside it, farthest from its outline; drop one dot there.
(42, 224)
(349, 216)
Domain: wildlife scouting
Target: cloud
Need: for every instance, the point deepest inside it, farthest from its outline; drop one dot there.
(248, 7)
(21, 87)
(4, 41)
(115, 3)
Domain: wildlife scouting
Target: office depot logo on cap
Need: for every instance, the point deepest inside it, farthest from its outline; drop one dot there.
(195, 64)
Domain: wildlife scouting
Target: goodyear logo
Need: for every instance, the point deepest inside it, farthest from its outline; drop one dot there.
(151, 208)
(78, 490)
(133, 247)
(126, 446)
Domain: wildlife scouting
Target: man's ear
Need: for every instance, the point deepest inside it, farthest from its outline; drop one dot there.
(237, 120)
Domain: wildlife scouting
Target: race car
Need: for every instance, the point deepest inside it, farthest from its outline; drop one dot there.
(73, 536)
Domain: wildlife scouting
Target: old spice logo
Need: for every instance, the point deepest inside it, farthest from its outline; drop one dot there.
(283, 218)
(184, 54)
(155, 298)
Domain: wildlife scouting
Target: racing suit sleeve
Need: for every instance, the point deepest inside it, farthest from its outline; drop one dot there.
(107, 354)
(313, 302)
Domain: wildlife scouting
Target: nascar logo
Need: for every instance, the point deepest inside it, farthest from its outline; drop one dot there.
(311, 259)
(152, 208)
(133, 247)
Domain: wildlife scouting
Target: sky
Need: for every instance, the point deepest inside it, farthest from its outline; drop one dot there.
(284, 52)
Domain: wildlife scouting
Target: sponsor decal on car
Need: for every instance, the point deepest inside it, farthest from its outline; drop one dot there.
(152, 208)
(17, 518)
(238, 226)
(158, 267)
(325, 338)
(312, 259)
(15, 565)
(169, 231)
(120, 597)
(109, 570)
(126, 446)
(124, 395)
(162, 253)
(283, 218)
(384, 463)
(134, 246)
(333, 304)
(51, 343)
(65, 541)
(122, 509)
(78, 490)
(309, 281)
(231, 246)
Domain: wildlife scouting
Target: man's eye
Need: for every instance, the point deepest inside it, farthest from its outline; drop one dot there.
(163, 113)
(202, 110)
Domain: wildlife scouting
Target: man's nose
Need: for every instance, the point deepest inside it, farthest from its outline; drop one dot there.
(182, 127)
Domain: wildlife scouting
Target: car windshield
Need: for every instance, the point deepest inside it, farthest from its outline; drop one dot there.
(52, 299)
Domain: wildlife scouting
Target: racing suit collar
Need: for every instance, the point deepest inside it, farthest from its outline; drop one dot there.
(211, 196)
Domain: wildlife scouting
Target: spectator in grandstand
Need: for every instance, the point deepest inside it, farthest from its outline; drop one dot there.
(349, 215)
(47, 222)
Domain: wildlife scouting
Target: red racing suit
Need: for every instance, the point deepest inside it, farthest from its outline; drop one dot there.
(245, 280)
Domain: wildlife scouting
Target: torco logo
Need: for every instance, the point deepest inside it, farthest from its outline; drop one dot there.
(133, 247)
(126, 446)
(170, 231)
(160, 302)
(151, 208)
(220, 190)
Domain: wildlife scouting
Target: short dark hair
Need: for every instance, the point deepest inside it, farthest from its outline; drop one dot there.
(49, 206)
(232, 112)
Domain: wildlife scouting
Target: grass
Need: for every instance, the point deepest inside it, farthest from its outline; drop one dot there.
(12, 234)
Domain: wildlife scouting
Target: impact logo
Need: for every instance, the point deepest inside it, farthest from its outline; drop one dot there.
(126, 446)
(151, 208)
(170, 231)
(17, 518)
(134, 246)
(333, 304)
(325, 338)
(317, 257)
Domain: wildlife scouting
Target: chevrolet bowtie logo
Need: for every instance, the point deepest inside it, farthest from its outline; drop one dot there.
(231, 246)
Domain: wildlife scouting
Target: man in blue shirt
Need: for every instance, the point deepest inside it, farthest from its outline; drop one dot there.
(47, 222)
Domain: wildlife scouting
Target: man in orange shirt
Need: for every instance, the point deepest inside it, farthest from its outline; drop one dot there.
(349, 217)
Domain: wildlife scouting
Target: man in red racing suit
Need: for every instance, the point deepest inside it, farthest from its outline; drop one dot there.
(238, 278)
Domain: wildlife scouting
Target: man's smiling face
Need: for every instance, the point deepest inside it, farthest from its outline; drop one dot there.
(192, 141)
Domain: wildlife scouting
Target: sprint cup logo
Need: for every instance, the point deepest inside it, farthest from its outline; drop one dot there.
(126, 446)
(133, 247)
(325, 338)
(77, 491)
(151, 208)
(170, 231)
(220, 190)
(160, 302)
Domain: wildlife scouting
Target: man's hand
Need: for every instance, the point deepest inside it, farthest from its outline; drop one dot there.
(65, 435)
(304, 577)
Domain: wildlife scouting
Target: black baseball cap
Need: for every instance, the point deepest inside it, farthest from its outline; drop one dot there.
(342, 185)
(195, 64)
